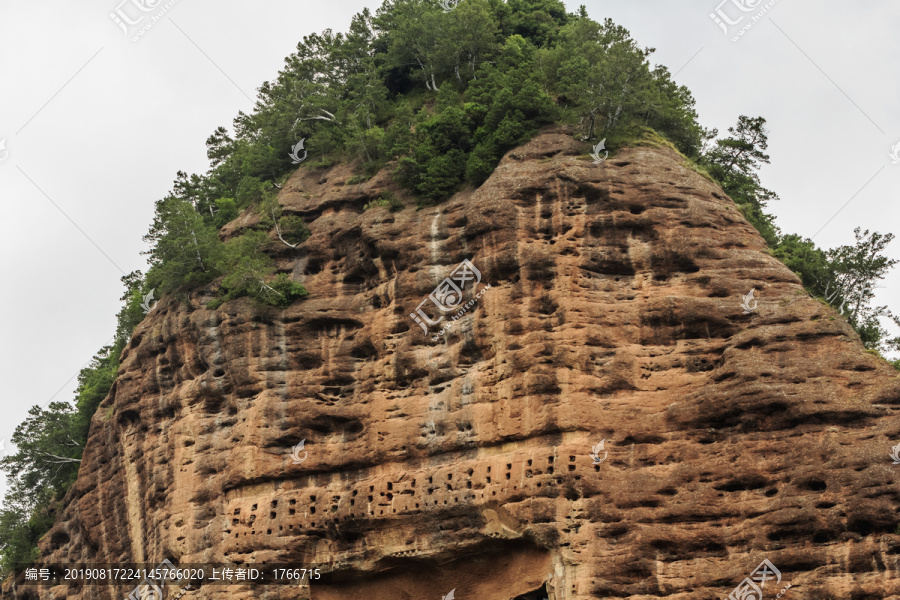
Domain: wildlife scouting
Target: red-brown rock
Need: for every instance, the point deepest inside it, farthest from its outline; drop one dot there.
(614, 313)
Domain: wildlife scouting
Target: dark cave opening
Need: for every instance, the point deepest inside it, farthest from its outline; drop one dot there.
(540, 593)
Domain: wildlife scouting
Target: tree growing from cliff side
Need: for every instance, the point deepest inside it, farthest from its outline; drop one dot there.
(184, 248)
(735, 162)
(48, 444)
(249, 272)
(48, 451)
(857, 269)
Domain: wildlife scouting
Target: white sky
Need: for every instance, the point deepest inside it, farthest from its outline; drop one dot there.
(96, 127)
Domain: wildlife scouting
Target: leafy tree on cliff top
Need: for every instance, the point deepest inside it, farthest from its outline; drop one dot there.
(348, 95)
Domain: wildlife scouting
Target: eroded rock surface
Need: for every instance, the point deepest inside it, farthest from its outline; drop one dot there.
(614, 314)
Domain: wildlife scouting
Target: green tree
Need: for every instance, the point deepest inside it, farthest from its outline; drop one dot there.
(48, 451)
(808, 261)
(602, 73)
(669, 108)
(735, 161)
(411, 29)
(507, 105)
(289, 229)
(538, 21)
(184, 248)
(857, 270)
(469, 38)
(20, 531)
(226, 211)
(249, 272)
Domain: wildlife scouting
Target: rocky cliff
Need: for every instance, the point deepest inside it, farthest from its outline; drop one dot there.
(466, 455)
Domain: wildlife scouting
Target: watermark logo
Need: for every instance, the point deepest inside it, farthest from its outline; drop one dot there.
(450, 595)
(448, 5)
(746, 302)
(123, 20)
(147, 300)
(148, 590)
(596, 153)
(895, 153)
(295, 453)
(138, 15)
(4, 153)
(723, 18)
(448, 296)
(596, 450)
(751, 587)
(895, 453)
(151, 588)
(295, 153)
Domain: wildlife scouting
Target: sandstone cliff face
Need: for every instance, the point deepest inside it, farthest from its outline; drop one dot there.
(465, 463)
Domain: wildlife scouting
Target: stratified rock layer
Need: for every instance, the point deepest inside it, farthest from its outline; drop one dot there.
(613, 314)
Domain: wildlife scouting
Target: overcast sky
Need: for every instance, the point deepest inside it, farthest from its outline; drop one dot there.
(96, 126)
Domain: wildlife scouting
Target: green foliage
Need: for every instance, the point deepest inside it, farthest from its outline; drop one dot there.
(357, 179)
(734, 162)
(844, 277)
(94, 383)
(386, 200)
(538, 21)
(50, 442)
(290, 229)
(49, 445)
(444, 94)
(245, 265)
(184, 247)
(20, 531)
(604, 81)
(857, 268)
(284, 291)
(250, 191)
(294, 230)
(132, 312)
(467, 133)
(227, 211)
(248, 272)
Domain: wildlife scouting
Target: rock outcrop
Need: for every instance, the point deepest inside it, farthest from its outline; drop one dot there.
(473, 462)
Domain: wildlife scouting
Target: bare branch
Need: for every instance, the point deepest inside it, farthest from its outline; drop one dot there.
(328, 117)
(278, 233)
(60, 459)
